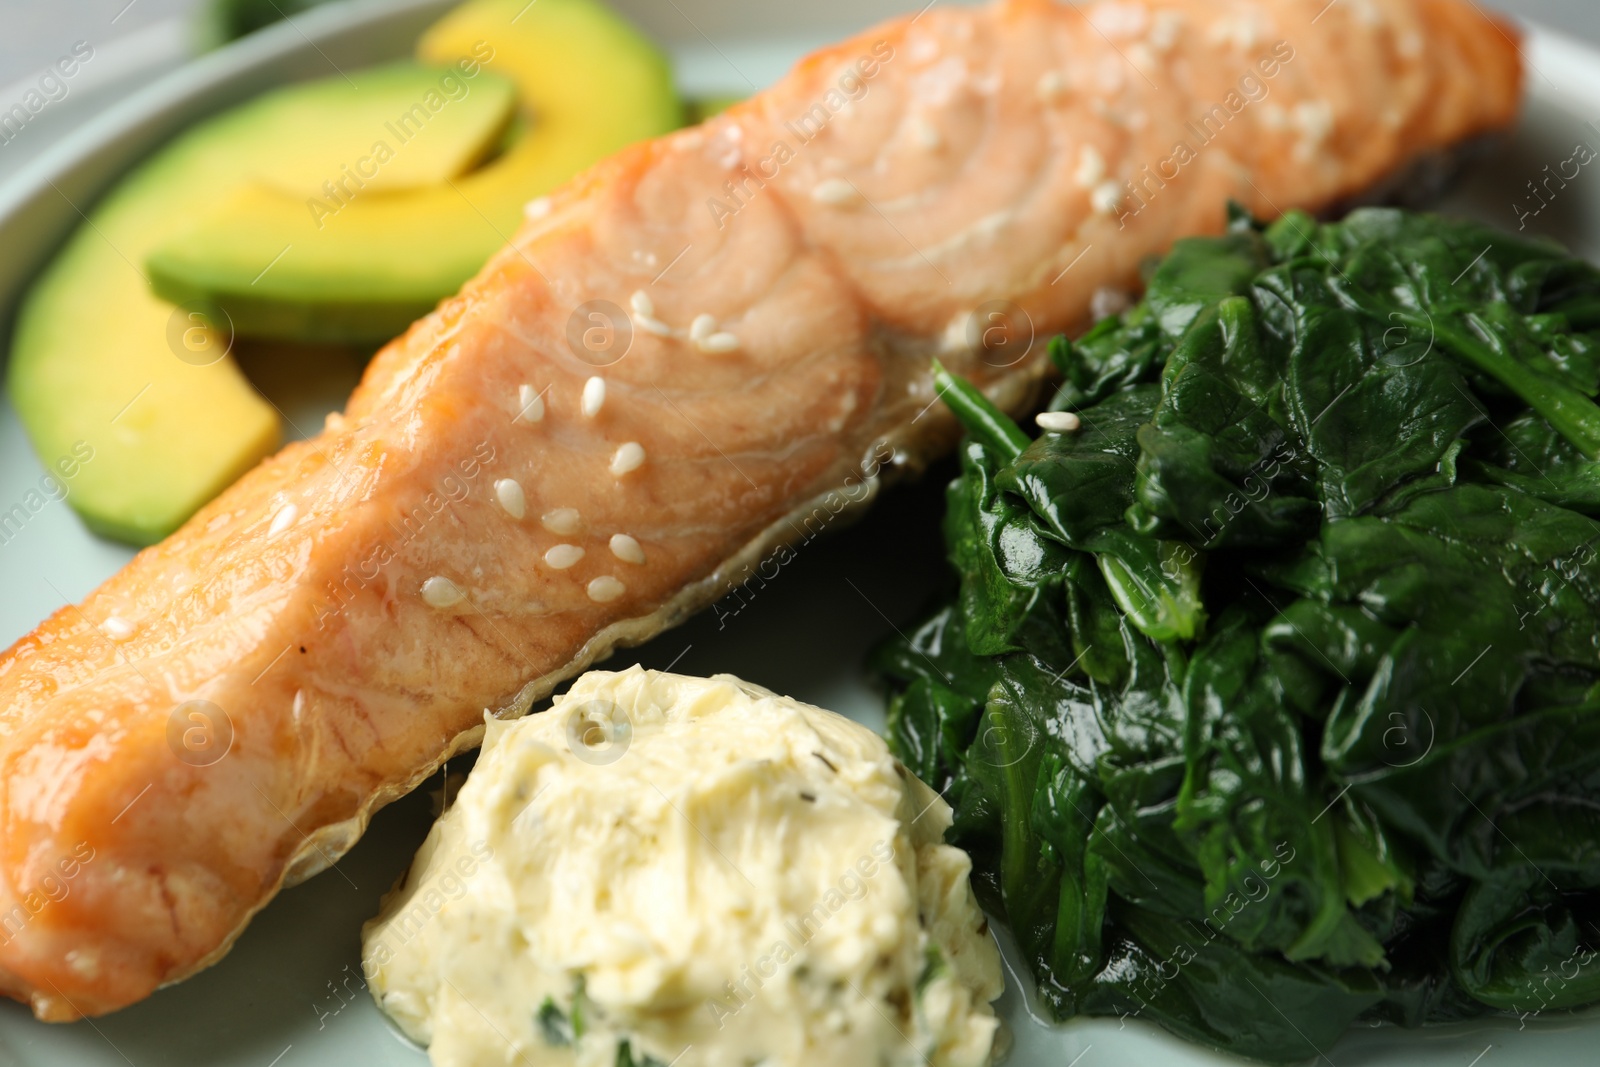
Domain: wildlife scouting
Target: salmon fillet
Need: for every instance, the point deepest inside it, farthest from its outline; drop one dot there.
(518, 487)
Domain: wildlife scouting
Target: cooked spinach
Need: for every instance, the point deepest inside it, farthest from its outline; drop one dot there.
(1269, 700)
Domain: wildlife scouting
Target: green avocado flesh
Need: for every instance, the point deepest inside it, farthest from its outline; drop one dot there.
(356, 262)
(335, 211)
(101, 366)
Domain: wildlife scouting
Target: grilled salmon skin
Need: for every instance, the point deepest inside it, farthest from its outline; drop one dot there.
(692, 354)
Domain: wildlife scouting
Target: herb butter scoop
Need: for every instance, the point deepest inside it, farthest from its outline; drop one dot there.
(665, 869)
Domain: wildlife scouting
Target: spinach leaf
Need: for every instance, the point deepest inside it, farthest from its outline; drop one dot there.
(1520, 942)
(1218, 465)
(1205, 988)
(1081, 486)
(1016, 568)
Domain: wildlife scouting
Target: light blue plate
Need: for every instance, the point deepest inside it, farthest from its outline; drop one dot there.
(289, 995)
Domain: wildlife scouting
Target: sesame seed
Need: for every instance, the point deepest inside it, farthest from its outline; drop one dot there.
(283, 520)
(563, 521)
(642, 304)
(1142, 56)
(1106, 197)
(440, 592)
(927, 133)
(563, 556)
(120, 629)
(1164, 30)
(594, 396)
(701, 328)
(626, 548)
(605, 589)
(1091, 167)
(1108, 300)
(655, 326)
(1314, 119)
(1058, 421)
(530, 405)
(535, 210)
(721, 342)
(834, 191)
(629, 456)
(958, 332)
(1051, 84)
(509, 492)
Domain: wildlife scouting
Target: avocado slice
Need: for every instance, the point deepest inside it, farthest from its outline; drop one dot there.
(387, 129)
(361, 269)
(103, 368)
